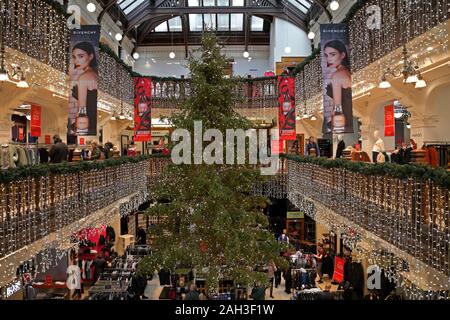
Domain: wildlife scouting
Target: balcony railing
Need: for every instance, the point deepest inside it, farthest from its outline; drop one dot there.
(47, 198)
(250, 93)
(412, 214)
(409, 212)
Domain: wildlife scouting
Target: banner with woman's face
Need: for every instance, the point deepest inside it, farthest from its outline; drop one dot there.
(142, 109)
(286, 108)
(337, 79)
(83, 77)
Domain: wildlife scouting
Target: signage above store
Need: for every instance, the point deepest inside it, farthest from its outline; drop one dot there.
(295, 215)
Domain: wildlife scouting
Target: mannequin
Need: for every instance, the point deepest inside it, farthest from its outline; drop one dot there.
(378, 146)
(340, 147)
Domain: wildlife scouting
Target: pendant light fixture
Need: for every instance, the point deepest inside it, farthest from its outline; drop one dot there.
(172, 53)
(91, 7)
(334, 5)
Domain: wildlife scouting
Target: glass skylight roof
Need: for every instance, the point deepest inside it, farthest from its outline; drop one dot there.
(302, 5)
(129, 5)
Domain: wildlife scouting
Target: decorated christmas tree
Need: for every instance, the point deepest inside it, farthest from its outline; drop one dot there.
(210, 221)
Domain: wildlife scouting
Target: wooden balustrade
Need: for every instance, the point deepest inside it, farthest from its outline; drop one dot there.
(249, 93)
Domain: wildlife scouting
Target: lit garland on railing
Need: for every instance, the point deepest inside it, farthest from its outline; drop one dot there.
(403, 210)
(42, 206)
(38, 30)
(115, 80)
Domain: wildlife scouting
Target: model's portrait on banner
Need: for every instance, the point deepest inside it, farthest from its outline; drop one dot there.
(337, 79)
(83, 74)
(142, 109)
(286, 113)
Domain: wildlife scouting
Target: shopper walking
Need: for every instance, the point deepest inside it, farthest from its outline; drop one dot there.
(283, 237)
(319, 258)
(271, 275)
(59, 151)
(193, 293)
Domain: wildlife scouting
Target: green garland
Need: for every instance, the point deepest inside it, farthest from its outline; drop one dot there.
(440, 176)
(43, 170)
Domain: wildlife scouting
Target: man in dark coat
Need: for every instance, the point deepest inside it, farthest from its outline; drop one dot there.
(59, 151)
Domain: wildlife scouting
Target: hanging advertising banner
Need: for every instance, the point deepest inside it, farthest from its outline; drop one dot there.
(389, 121)
(286, 108)
(35, 124)
(276, 147)
(338, 274)
(337, 79)
(83, 77)
(142, 109)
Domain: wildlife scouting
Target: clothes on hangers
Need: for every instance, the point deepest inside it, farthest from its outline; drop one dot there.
(8, 156)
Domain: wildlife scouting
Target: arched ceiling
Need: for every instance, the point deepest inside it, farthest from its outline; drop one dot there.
(165, 22)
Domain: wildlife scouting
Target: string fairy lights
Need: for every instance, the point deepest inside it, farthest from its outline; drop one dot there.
(40, 214)
(381, 215)
(420, 26)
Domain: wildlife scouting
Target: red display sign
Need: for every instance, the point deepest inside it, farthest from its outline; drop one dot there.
(286, 108)
(82, 141)
(142, 109)
(47, 139)
(276, 147)
(389, 121)
(20, 133)
(338, 274)
(36, 121)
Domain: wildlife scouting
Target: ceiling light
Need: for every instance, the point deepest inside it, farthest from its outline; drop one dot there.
(25, 106)
(135, 56)
(298, 118)
(313, 118)
(23, 84)
(384, 84)
(311, 35)
(119, 37)
(412, 79)
(246, 54)
(172, 55)
(287, 49)
(91, 7)
(408, 125)
(398, 114)
(147, 64)
(421, 83)
(3, 75)
(334, 5)
(430, 48)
